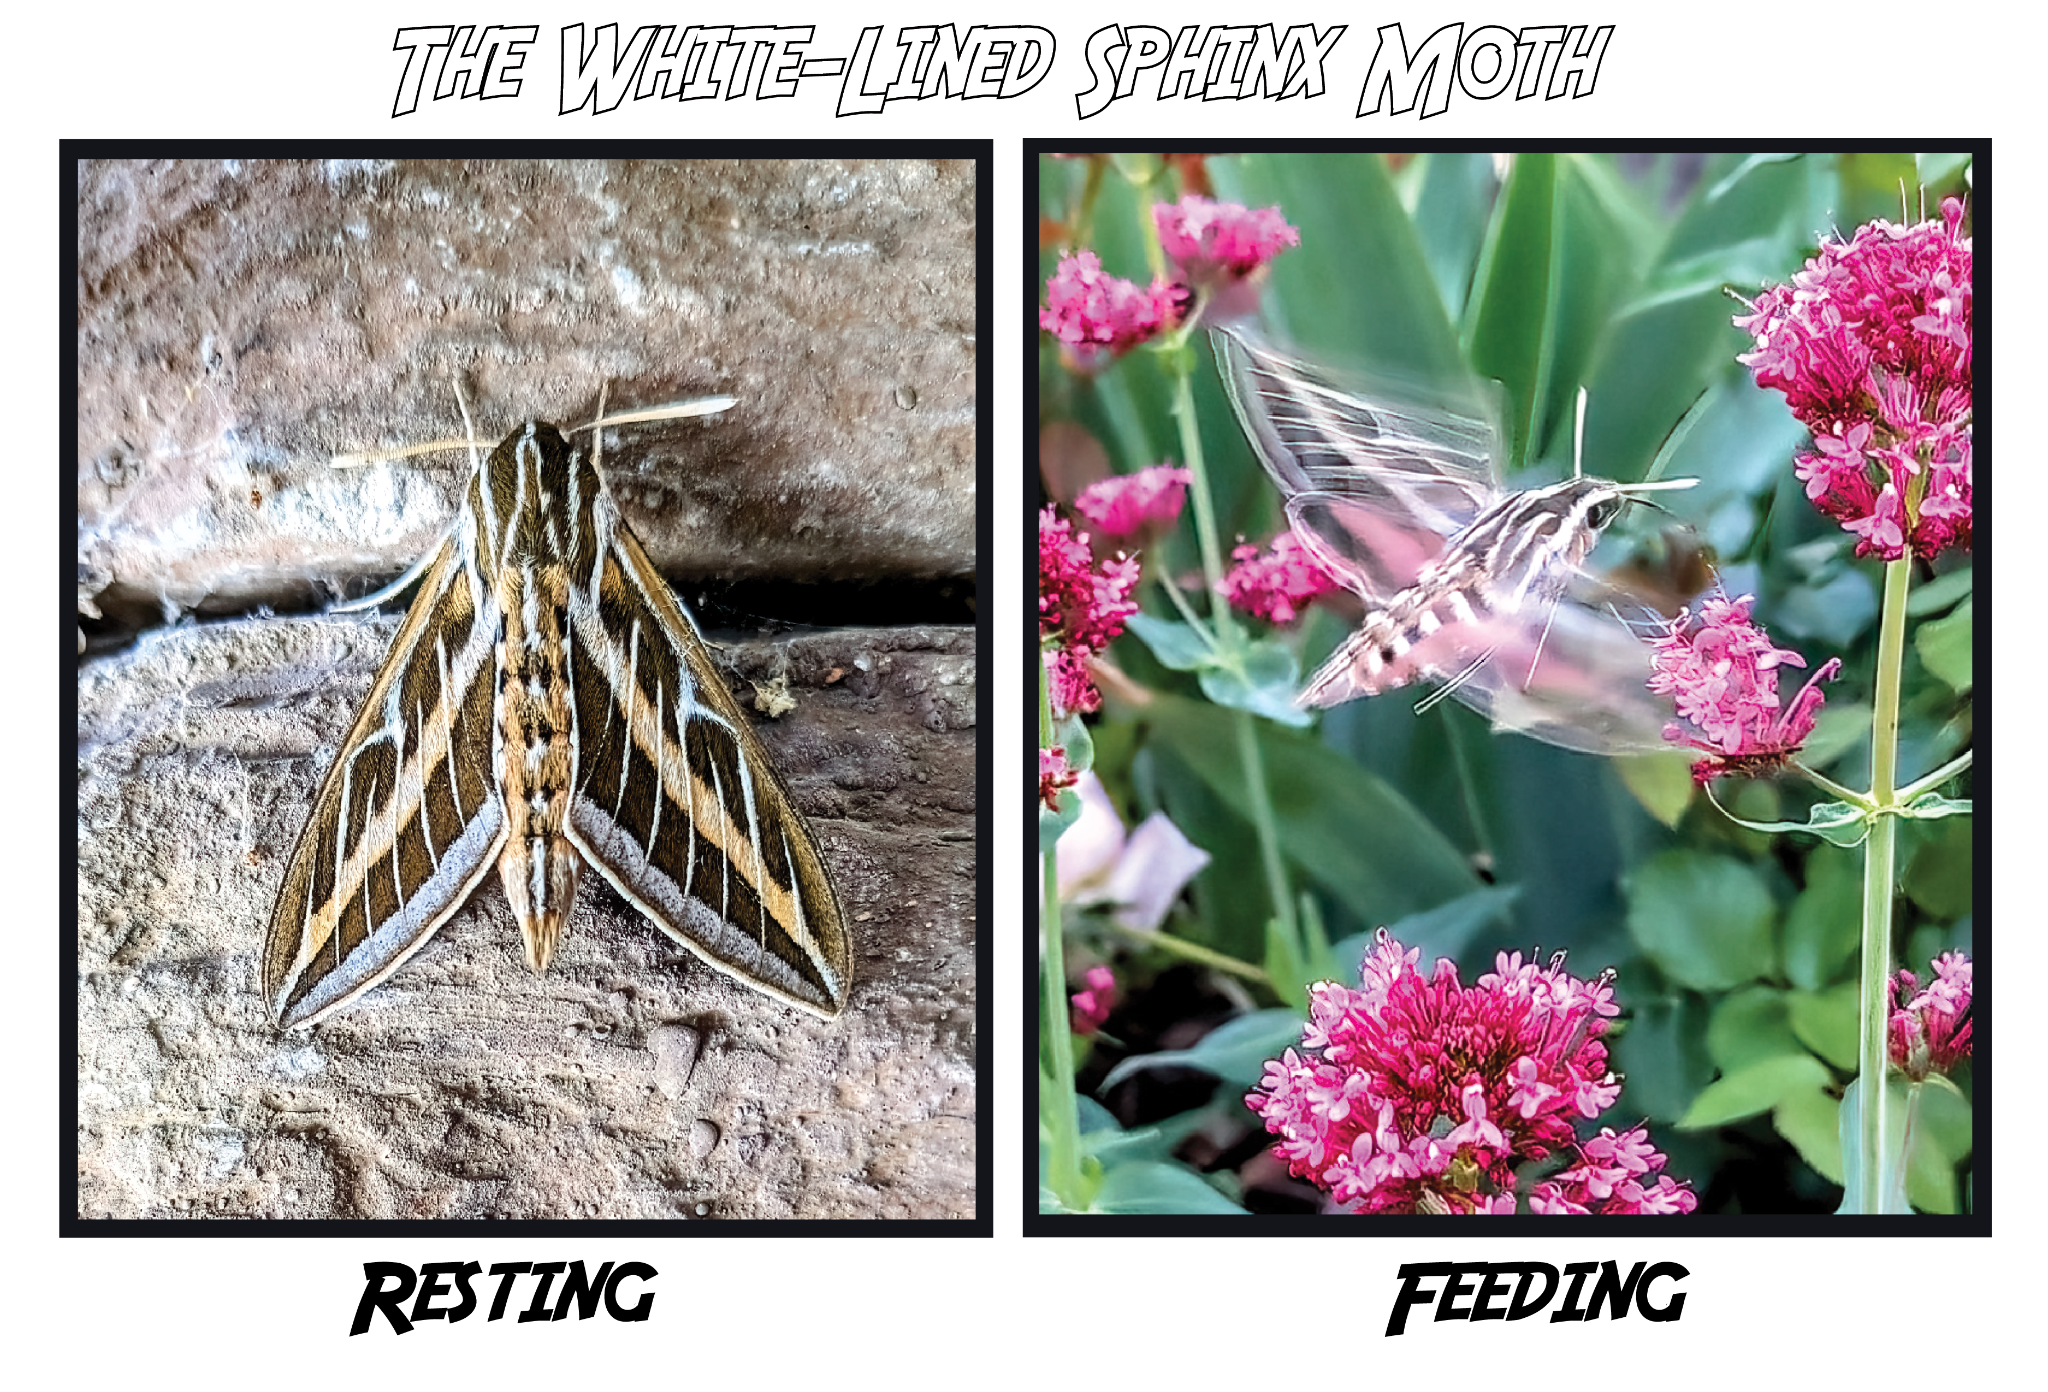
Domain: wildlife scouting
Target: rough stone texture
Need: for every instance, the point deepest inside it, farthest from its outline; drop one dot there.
(630, 1081)
(239, 325)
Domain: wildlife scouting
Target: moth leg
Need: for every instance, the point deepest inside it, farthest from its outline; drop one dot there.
(1422, 706)
(1549, 618)
(387, 593)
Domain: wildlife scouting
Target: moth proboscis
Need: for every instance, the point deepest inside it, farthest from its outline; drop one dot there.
(1480, 587)
(548, 704)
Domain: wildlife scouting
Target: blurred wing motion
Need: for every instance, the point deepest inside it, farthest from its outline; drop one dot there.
(1479, 588)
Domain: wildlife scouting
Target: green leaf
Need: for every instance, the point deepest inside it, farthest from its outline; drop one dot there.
(1753, 1090)
(1662, 783)
(1345, 828)
(1940, 874)
(1264, 685)
(1235, 1051)
(1837, 823)
(1810, 1120)
(1750, 1025)
(1705, 920)
(1936, 170)
(1052, 825)
(1946, 647)
(1826, 1022)
(1351, 217)
(1835, 612)
(1938, 594)
(1825, 923)
(1177, 645)
(1932, 807)
(1072, 735)
(1448, 929)
(1155, 1187)
(1663, 1054)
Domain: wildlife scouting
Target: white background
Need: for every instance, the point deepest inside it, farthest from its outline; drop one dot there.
(1104, 1313)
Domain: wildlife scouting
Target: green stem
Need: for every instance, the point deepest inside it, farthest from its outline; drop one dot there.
(1059, 1113)
(1828, 785)
(1879, 862)
(1937, 778)
(1230, 643)
(1195, 952)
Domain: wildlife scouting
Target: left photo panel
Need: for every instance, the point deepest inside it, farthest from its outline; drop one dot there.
(526, 686)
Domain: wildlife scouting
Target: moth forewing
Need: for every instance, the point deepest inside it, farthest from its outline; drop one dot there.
(1484, 589)
(548, 703)
(1372, 487)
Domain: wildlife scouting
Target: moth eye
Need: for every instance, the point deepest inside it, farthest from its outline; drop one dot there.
(1603, 512)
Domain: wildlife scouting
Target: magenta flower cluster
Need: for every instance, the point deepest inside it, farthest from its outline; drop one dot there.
(1054, 776)
(1100, 315)
(1093, 1004)
(1871, 343)
(1931, 1032)
(1081, 609)
(1207, 240)
(1215, 248)
(1126, 505)
(1721, 671)
(1417, 1094)
(1277, 584)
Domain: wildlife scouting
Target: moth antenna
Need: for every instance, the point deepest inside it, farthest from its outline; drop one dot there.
(1579, 438)
(674, 410)
(358, 458)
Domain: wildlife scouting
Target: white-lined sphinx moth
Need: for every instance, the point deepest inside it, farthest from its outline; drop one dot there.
(1479, 587)
(548, 703)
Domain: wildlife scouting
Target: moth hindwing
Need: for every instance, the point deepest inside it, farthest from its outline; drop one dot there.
(1484, 589)
(546, 705)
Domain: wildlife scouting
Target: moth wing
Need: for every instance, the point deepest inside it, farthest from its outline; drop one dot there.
(1579, 681)
(1578, 677)
(408, 817)
(1374, 484)
(675, 801)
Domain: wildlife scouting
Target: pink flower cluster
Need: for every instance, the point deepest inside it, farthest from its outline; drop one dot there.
(1720, 670)
(1931, 1032)
(1125, 505)
(1278, 584)
(1416, 1094)
(1218, 247)
(1215, 247)
(1081, 608)
(1054, 777)
(1097, 314)
(1092, 1006)
(1871, 343)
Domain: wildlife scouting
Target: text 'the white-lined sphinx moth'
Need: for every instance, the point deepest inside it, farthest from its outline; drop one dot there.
(1478, 586)
(548, 704)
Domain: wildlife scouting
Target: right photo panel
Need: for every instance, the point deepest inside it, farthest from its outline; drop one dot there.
(1504, 731)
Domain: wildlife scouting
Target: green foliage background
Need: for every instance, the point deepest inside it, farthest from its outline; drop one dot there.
(1735, 951)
